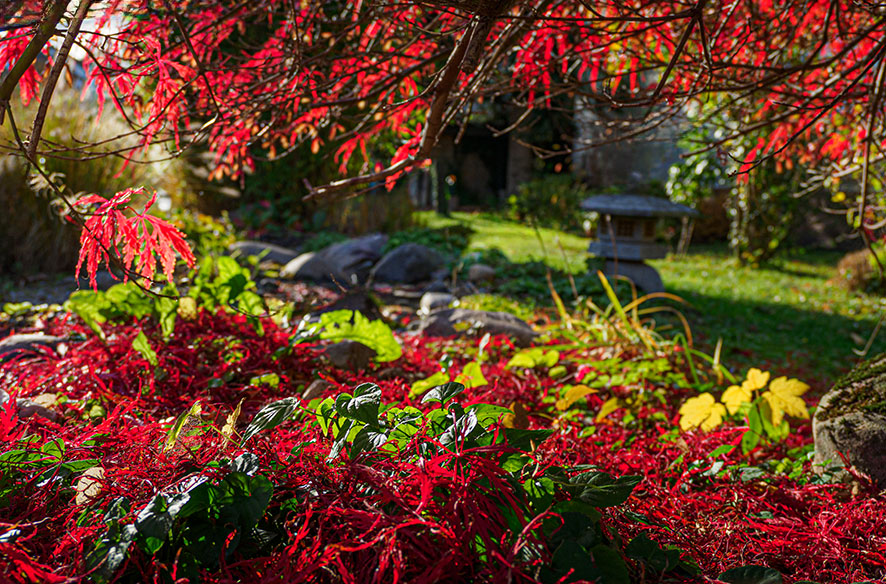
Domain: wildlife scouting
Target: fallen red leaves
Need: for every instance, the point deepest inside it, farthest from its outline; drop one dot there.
(353, 522)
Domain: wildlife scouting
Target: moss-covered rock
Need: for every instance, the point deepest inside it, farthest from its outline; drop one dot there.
(851, 420)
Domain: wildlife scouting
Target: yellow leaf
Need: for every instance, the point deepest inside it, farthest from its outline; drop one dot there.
(472, 376)
(701, 411)
(756, 380)
(231, 421)
(607, 408)
(734, 396)
(783, 398)
(550, 358)
(573, 394)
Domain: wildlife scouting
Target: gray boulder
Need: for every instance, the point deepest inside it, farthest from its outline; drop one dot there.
(272, 253)
(350, 355)
(344, 263)
(409, 263)
(432, 301)
(851, 419)
(481, 273)
(452, 321)
(308, 266)
(16, 344)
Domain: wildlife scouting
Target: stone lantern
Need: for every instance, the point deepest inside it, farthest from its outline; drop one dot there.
(626, 234)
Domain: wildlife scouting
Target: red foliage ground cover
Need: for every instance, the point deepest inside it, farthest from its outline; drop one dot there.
(370, 519)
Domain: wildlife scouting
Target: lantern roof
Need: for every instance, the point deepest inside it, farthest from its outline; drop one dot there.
(631, 205)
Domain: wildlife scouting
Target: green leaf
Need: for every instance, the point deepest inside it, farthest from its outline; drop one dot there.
(550, 358)
(362, 406)
(54, 448)
(110, 551)
(577, 506)
(752, 436)
(751, 575)
(443, 393)
(88, 305)
(721, 450)
(351, 325)
(525, 440)
(601, 489)
(611, 564)
(658, 560)
(175, 431)
(270, 416)
(572, 556)
(472, 376)
(488, 413)
(167, 311)
(143, 346)
(422, 385)
(368, 439)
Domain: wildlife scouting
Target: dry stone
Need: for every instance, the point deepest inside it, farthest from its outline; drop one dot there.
(851, 420)
(453, 321)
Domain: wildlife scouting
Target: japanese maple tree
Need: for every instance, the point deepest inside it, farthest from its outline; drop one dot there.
(806, 76)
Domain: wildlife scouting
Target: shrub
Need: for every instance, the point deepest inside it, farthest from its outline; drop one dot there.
(858, 270)
(33, 234)
(551, 201)
(450, 241)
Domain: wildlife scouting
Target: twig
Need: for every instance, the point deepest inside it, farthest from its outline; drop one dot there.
(61, 58)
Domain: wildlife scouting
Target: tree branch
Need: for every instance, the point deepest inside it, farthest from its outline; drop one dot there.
(61, 58)
(52, 15)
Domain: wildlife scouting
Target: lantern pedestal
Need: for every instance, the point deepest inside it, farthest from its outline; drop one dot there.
(641, 274)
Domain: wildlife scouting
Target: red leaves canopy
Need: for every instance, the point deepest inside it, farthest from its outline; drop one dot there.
(273, 73)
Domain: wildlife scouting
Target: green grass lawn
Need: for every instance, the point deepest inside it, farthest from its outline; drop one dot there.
(786, 316)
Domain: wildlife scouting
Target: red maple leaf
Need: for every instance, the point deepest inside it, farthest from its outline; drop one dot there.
(133, 240)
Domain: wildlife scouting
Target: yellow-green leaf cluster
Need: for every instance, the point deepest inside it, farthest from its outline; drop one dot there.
(782, 398)
(701, 411)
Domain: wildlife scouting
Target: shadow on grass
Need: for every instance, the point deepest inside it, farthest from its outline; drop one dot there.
(813, 345)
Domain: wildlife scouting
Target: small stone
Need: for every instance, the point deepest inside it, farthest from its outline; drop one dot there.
(349, 355)
(481, 273)
(431, 301)
(89, 485)
(452, 321)
(392, 373)
(316, 389)
(14, 344)
(26, 408)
